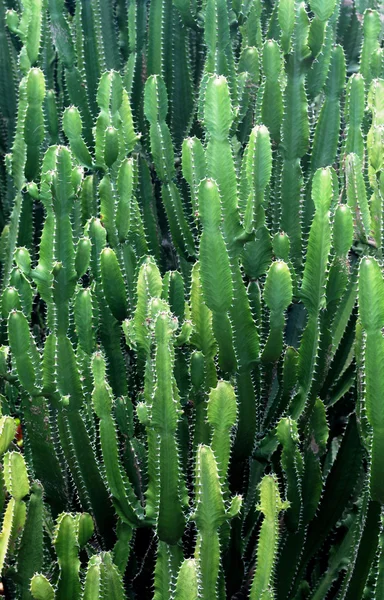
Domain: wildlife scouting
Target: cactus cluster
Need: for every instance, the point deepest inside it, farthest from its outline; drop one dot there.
(192, 299)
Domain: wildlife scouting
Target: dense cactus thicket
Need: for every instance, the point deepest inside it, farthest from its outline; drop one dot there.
(192, 299)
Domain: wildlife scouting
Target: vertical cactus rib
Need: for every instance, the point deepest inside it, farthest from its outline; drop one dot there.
(371, 315)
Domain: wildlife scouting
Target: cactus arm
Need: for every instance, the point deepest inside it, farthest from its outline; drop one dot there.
(17, 484)
(93, 55)
(357, 197)
(186, 584)
(365, 560)
(182, 90)
(149, 285)
(146, 200)
(156, 108)
(214, 263)
(202, 336)
(8, 84)
(272, 102)
(46, 464)
(209, 515)
(286, 16)
(178, 224)
(295, 123)
(218, 119)
(164, 419)
(92, 586)
(111, 581)
(30, 555)
(113, 284)
(34, 121)
(167, 565)
(326, 135)
(314, 280)
(102, 579)
(270, 505)
(295, 133)
(354, 113)
(160, 20)
(7, 432)
(66, 545)
(106, 14)
(215, 269)
(221, 415)
(5, 534)
(340, 483)
(277, 296)
(372, 315)
(29, 31)
(339, 280)
(125, 184)
(217, 38)
(73, 128)
(194, 166)
(292, 463)
(80, 455)
(24, 351)
(18, 160)
(63, 42)
(84, 320)
(371, 29)
(345, 552)
(125, 501)
(258, 172)
(122, 548)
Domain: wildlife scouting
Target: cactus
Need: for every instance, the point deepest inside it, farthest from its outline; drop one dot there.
(270, 506)
(191, 219)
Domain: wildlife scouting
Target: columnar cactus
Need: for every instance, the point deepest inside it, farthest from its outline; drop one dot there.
(191, 299)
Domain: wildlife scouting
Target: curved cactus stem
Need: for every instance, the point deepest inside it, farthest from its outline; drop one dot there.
(292, 463)
(80, 455)
(270, 505)
(125, 501)
(372, 319)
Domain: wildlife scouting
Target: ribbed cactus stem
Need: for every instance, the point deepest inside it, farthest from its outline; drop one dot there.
(270, 505)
